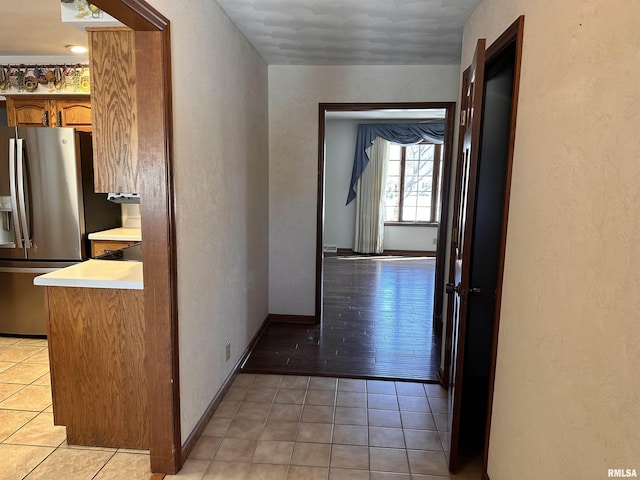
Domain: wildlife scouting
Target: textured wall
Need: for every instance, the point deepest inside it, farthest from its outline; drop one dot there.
(339, 218)
(294, 95)
(567, 389)
(221, 174)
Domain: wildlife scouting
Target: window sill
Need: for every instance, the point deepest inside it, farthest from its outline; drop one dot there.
(410, 224)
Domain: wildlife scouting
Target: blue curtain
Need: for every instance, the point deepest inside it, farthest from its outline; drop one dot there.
(398, 133)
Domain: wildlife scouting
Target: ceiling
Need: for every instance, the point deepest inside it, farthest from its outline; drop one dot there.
(353, 32)
(33, 28)
(303, 32)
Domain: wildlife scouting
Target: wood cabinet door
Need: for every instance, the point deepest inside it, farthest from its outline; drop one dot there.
(49, 112)
(114, 109)
(29, 112)
(98, 374)
(73, 113)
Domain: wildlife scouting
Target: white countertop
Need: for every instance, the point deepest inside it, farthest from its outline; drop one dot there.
(96, 274)
(118, 234)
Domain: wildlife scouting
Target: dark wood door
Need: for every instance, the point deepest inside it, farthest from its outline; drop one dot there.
(462, 236)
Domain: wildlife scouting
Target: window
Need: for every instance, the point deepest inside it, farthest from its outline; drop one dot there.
(413, 184)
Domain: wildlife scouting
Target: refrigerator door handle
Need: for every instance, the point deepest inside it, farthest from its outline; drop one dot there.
(17, 234)
(21, 194)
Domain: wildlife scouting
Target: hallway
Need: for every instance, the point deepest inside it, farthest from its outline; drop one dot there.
(277, 427)
(377, 323)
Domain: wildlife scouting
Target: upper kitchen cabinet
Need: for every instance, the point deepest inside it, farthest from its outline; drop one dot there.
(73, 113)
(114, 109)
(49, 112)
(28, 112)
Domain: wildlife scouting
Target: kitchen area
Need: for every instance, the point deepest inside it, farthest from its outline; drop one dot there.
(51, 217)
(72, 352)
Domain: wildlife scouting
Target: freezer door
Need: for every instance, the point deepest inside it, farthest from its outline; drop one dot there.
(53, 195)
(10, 234)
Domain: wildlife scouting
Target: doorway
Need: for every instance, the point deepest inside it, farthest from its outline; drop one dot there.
(422, 362)
(374, 314)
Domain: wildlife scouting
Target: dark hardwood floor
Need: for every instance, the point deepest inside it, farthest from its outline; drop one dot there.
(377, 323)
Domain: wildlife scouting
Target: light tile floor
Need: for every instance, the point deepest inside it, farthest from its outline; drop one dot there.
(272, 427)
(31, 447)
(268, 427)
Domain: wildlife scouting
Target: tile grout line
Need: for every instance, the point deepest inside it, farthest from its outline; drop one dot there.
(269, 413)
(333, 423)
(406, 450)
(54, 449)
(366, 398)
(105, 464)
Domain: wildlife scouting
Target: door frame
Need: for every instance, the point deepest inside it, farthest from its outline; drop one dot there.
(444, 198)
(155, 133)
(512, 35)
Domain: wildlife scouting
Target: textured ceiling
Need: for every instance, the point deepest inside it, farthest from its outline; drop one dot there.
(330, 32)
(353, 32)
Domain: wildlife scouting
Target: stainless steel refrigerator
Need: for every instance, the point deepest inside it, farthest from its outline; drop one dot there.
(47, 210)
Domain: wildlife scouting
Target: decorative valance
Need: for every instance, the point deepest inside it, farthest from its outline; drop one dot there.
(44, 79)
(398, 133)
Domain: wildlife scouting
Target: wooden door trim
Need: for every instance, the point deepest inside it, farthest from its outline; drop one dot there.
(445, 370)
(512, 35)
(322, 111)
(441, 248)
(158, 225)
(450, 108)
(138, 15)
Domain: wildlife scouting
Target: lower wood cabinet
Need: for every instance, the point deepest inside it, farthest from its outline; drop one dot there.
(97, 357)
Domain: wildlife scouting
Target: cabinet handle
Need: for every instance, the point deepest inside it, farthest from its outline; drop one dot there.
(45, 119)
(59, 119)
